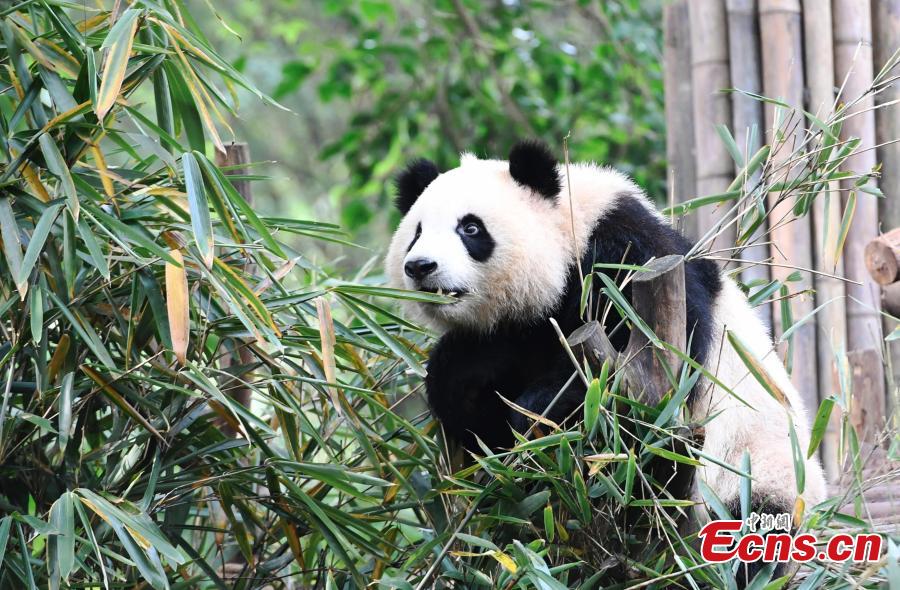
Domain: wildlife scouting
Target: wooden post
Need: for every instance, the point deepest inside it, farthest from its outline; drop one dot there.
(831, 320)
(886, 31)
(853, 63)
(679, 104)
(709, 76)
(748, 123)
(867, 405)
(890, 299)
(780, 36)
(658, 297)
(237, 155)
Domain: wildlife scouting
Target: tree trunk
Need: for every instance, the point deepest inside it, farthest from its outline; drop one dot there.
(748, 124)
(709, 76)
(853, 69)
(831, 320)
(679, 105)
(780, 29)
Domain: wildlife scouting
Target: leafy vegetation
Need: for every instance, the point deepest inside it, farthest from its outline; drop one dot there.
(376, 83)
(143, 294)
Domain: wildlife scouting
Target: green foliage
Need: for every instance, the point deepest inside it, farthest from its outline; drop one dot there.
(144, 292)
(387, 81)
(143, 296)
(465, 76)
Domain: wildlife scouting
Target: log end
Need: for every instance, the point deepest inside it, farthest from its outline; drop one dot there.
(881, 262)
(585, 333)
(658, 267)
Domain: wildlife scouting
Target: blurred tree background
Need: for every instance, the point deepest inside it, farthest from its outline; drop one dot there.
(373, 83)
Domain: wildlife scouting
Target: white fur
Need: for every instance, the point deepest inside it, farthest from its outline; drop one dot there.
(526, 274)
(763, 430)
(536, 243)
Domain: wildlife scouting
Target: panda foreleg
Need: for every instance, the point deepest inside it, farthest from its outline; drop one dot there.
(463, 382)
(556, 396)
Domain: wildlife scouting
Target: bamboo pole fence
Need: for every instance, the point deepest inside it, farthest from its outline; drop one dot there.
(780, 24)
(831, 321)
(748, 124)
(679, 108)
(816, 55)
(886, 37)
(709, 76)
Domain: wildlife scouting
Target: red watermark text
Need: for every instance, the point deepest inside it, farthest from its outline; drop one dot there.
(721, 541)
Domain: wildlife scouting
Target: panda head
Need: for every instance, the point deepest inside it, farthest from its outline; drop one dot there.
(490, 234)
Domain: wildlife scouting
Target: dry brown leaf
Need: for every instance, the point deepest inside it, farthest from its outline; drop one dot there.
(177, 305)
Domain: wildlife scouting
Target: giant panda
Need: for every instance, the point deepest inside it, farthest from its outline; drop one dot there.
(505, 240)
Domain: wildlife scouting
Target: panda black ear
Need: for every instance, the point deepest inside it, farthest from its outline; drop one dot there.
(410, 183)
(532, 165)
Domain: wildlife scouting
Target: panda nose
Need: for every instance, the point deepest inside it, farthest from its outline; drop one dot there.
(419, 268)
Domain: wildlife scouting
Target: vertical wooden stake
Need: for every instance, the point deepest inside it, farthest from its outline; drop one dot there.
(782, 53)
(237, 155)
(831, 320)
(710, 75)
(658, 297)
(679, 104)
(853, 63)
(747, 114)
(867, 402)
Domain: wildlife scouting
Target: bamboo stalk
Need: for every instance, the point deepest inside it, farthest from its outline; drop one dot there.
(782, 52)
(679, 104)
(853, 63)
(709, 76)
(831, 321)
(747, 116)
(886, 31)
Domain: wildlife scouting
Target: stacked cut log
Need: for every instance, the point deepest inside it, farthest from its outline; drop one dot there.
(883, 263)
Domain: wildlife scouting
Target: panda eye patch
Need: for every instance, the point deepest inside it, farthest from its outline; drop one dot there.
(475, 237)
(415, 237)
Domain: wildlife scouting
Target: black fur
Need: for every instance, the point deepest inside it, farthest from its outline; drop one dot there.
(415, 237)
(524, 362)
(760, 505)
(532, 165)
(410, 183)
(480, 246)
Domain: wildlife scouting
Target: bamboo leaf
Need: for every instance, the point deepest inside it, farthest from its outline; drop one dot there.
(117, 399)
(64, 408)
(846, 220)
(36, 307)
(5, 523)
(757, 370)
(220, 183)
(630, 470)
(592, 406)
(200, 220)
(178, 305)
(93, 248)
(12, 247)
(61, 546)
(56, 164)
(820, 425)
(118, 44)
(38, 239)
(391, 342)
(799, 461)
